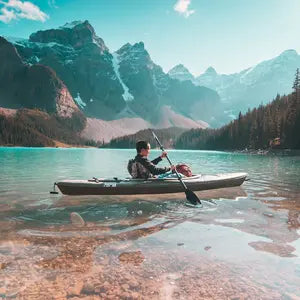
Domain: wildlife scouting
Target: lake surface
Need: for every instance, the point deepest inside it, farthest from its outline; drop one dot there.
(245, 244)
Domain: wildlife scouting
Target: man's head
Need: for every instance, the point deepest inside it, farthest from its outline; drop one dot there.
(143, 148)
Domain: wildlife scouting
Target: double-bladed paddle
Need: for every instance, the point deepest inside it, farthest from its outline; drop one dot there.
(190, 196)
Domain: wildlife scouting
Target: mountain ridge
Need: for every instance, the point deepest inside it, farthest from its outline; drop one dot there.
(105, 81)
(252, 86)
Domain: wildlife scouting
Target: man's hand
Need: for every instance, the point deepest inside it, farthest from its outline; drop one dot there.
(173, 168)
(164, 154)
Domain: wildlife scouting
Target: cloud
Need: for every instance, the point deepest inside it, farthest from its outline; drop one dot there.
(52, 3)
(16, 9)
(6, 15)
(182, 7)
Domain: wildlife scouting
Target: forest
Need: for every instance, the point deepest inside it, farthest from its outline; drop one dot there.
(35, 128)
(167, 137)
(275, 125)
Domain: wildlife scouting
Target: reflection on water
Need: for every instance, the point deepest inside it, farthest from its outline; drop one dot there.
(243, 244)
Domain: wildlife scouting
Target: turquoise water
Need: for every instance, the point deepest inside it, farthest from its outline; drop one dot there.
(31, 171)
(250, 237)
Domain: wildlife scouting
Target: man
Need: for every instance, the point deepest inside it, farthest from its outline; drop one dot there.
(142, 167)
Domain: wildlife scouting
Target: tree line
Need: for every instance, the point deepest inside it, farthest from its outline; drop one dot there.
(35, 128)
(167, 137)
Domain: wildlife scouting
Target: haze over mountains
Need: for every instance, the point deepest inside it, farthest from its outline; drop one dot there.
(70, 70)
(248, 88)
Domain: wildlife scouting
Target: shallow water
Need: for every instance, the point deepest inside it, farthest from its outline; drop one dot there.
(243, 245)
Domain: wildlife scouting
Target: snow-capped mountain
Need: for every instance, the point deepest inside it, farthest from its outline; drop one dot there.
(253, 86)
(181, 73)
(82, 60)
(250, 87)
(153, 90)
(108, 85)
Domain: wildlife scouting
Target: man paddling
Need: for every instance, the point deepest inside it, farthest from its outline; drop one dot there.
(142, 167)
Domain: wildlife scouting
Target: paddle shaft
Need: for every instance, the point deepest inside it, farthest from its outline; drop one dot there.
(162, 149)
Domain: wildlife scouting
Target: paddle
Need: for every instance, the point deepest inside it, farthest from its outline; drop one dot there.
(190, 196)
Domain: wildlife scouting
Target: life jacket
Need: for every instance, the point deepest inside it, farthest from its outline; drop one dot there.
(129, 166)
(137, 170)
(184, 170)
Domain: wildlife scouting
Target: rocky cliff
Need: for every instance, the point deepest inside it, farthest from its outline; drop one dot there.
(31, 86)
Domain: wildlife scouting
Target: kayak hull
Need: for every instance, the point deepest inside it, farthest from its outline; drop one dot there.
(150, 186)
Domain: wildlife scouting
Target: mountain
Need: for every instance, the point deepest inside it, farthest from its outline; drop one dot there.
(250, 87)
(110, 86)
(41, 109)
(105, 131)
(253, 86)
(180, 72)
(152, 89)
(36, 86)
(69, 73)
(82, 61)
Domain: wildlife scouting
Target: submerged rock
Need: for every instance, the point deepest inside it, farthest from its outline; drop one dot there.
(76, 219)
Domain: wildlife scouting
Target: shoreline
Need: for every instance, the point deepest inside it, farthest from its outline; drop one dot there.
(281, 152)
(60, 145)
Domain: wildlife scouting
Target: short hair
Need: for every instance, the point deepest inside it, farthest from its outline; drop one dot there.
(141, 145)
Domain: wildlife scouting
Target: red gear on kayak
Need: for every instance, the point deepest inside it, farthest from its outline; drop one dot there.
(184, 170)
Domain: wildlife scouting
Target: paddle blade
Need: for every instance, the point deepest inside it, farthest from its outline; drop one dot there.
(192, 197)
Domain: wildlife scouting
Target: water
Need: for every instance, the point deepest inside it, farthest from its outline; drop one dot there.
(148, 247)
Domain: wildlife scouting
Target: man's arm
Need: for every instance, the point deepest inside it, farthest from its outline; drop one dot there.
(152, 168)
(156, 160)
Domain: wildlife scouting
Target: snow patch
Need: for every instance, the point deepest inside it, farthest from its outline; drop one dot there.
(14, 40)
(126, 95)
(71, 25)
(78, 100)
(36, 59)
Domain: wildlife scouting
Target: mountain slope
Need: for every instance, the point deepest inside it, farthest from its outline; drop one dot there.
(31, 86)
(35, 128)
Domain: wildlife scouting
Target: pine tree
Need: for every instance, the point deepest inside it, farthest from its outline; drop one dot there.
(296, 86)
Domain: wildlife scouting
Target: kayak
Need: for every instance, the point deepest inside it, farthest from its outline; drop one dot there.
(116, 186)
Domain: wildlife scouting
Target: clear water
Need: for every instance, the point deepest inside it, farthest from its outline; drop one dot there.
(152, 247)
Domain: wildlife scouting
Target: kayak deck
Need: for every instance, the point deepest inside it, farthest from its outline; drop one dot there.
(117, 186)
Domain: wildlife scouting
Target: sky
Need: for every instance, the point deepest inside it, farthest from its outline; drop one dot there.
(229, 35)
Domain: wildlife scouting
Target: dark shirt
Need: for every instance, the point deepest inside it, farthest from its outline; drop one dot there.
(147, 168)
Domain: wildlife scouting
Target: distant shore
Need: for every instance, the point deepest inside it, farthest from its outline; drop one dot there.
(284, 152)
(280, 152)
(57, 145)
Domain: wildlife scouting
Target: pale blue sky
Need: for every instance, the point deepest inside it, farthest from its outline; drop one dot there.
(229, 35)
